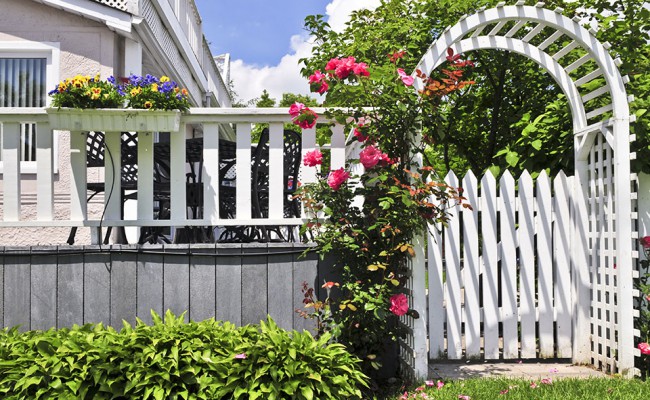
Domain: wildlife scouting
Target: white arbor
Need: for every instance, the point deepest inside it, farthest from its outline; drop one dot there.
(602, 257)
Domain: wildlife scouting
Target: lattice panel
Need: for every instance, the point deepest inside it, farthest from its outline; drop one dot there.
(602, 250)
(118, 4)
(407, 345)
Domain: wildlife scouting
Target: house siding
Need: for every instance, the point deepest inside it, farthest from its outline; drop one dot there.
(86, 47)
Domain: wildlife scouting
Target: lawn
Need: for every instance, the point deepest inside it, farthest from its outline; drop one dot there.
(563, 389)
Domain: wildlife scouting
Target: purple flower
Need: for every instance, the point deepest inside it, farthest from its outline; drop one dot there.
(111, 80)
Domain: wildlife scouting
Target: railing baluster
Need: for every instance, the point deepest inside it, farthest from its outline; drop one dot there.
(276, 170)
(44, 172)
(308, 174)
(211, 172)
(177, 177)
(112, 174)
(78, 208)
(243, 171)
(338, 147)
(11, 173)
(145, 176)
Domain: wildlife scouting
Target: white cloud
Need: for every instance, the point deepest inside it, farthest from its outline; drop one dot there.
(249, 80)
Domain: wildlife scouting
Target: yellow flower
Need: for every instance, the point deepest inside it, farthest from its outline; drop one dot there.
(95, 93)
(97, 78)
(154, 87)
(136, 91)
(148, 104)
(77, 83)
(176, 90)
(62, 87)
(164, 78)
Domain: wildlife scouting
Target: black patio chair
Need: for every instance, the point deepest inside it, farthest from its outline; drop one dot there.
(260, 185)
(95, 154)
(260, 191)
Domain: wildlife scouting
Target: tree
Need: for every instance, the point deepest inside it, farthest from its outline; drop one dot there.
(265, 100)
(514, 116)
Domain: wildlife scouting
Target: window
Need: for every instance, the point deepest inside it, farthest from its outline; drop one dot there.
(27, 70)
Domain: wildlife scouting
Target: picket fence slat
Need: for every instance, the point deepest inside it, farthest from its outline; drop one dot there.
(454, 284)
(436, 294)
(500, 271)
(545, 265)
(508, 267)
(490, 267)
(562, 261)
(471, 270)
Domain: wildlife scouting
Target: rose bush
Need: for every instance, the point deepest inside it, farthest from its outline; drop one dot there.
(372, 241)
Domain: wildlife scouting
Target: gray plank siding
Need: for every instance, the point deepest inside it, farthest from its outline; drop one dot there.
(280, 286)
(17, 297)
(203, 282)
(149, 284)
(123, 286)
(97, 286)
(70, 286)
(176, 279)
(229, 293)
(43, 288)
(254, 291)
(305, 269)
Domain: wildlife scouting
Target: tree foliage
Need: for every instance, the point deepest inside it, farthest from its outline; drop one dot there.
(515, 116)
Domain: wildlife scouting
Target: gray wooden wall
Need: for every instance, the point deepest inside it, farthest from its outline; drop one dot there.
(45, 287)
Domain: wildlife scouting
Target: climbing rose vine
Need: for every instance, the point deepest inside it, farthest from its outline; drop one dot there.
(371, 241)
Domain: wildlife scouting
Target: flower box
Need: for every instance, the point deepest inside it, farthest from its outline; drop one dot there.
(114, 120)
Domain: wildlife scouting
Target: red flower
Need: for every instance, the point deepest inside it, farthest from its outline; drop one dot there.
(329, 285)
(313, 158)
(399, 304)
(359, 135)
(337, 177)
(645, 348)
(396, 56)
(645, 242)
(296, 108)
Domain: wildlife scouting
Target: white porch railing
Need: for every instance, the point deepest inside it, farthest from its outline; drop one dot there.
(216, 123)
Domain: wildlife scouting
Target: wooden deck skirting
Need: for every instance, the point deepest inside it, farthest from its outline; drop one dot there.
(49, 286)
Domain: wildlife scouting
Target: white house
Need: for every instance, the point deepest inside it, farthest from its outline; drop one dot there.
(45, 41)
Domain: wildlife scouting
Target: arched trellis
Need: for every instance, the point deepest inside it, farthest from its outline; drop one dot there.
(601, 243)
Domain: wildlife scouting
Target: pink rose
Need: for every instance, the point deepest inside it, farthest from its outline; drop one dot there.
(440, 385)
(645, 348)
(313, 158)
(240, 356)
(407, 79)
(318, 82)
(345, 67)
(360, 69)
(429, 383)
(296, 108)
(371, 155)
(533, 385)
(645, 242)
(399, 304)
(332, 64)
(337, 177)
(302, 115)
(547, 381)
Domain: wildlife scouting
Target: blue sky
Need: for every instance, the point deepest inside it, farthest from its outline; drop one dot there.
(266, 38)
(256, 31)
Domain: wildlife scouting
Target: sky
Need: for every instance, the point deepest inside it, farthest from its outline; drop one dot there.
(266, 38)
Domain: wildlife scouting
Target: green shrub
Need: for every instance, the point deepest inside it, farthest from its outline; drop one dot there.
(175, 360)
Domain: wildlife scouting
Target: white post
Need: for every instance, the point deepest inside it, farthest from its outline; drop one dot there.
(11, 173)
(44, 172)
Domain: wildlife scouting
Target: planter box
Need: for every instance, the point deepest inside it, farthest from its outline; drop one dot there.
(114, 120)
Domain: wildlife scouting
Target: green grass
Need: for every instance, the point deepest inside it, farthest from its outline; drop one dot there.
(563, 389)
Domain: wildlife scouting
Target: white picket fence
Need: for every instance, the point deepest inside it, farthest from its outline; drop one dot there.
(499, 278)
